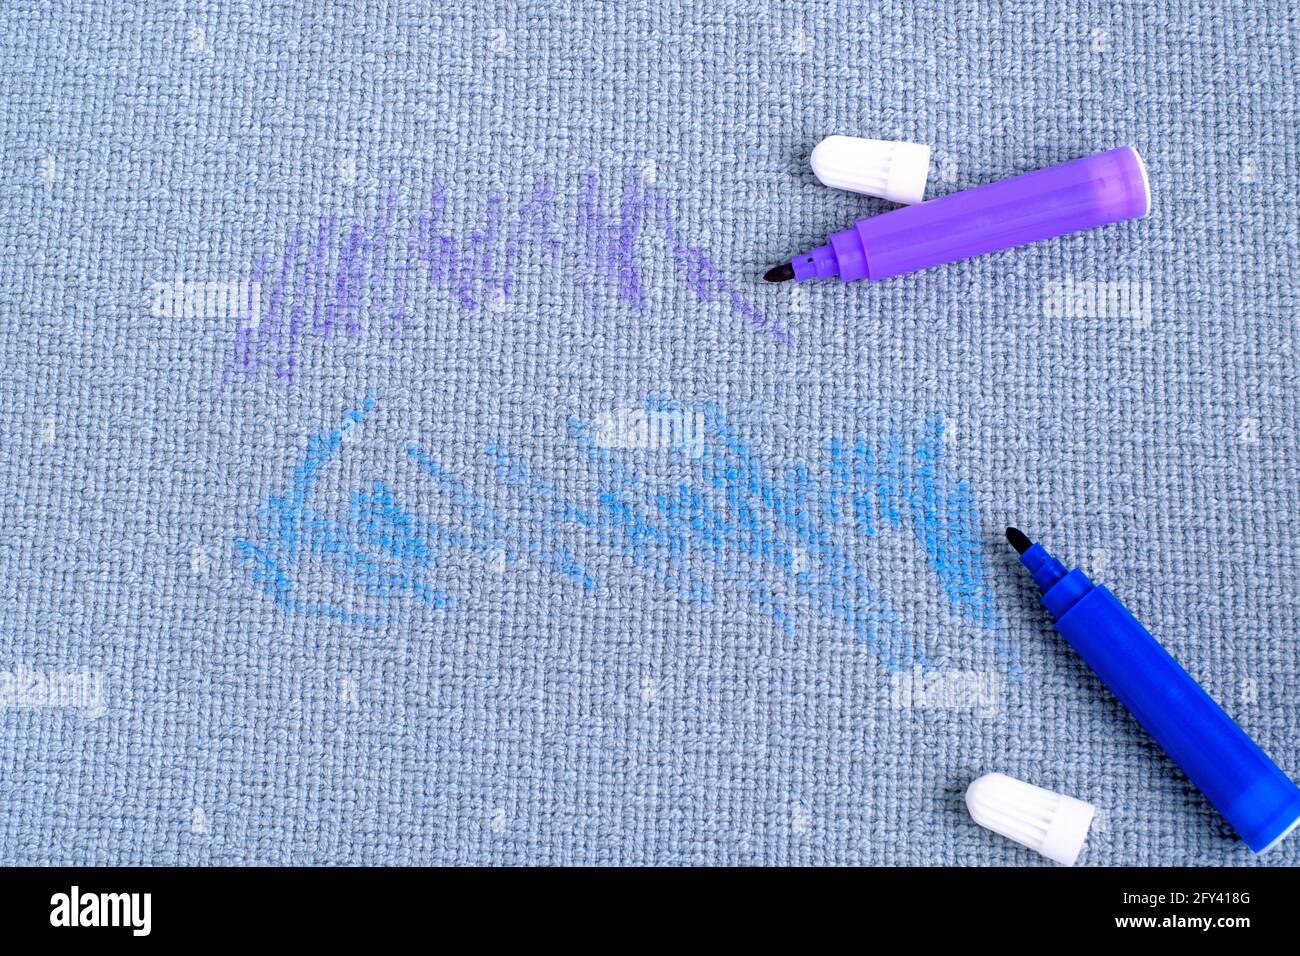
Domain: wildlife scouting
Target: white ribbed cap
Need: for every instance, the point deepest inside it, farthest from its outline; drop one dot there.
(1048, 823)
(878, 167)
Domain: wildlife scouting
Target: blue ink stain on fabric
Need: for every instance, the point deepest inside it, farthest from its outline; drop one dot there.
(496, 532)
(758, 534)
(291, 528)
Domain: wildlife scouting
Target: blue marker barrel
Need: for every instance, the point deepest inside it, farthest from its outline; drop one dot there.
(1248, 788)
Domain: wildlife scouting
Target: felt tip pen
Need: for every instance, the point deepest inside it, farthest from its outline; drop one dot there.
(1248, 788)
(1093, 191)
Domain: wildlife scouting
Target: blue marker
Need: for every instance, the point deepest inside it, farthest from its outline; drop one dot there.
(1257, 798)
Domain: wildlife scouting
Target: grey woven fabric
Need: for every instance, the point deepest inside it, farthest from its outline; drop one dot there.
(403, 463)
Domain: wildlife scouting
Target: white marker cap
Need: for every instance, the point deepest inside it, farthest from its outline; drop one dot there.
(1049, 823)
(878, 167)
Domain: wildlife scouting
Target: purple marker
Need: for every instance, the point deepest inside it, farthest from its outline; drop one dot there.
(1088, 192)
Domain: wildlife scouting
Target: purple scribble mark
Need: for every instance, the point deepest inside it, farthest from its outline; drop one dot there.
(375, 252)
(311, 280)
(398, 315)
(320, 312)
(272, 322)
(532, 225)
(610, 241)
(480, 259)
(705, 278)
(345, 283)
(351, 279)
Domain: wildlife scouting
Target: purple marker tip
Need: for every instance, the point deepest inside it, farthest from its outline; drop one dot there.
(1093, 191)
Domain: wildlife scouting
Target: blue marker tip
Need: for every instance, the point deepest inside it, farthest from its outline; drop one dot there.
(1248, 788)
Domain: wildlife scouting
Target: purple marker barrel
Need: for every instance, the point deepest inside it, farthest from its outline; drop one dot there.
(1093, 191)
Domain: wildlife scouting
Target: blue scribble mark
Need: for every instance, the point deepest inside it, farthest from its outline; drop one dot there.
(380, 547)
(776, 536)
(729, 531)
(494, 532)
(616, 521)
(897, 481)
(770, 538)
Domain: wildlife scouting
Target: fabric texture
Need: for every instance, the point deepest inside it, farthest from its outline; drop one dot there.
(404, 463)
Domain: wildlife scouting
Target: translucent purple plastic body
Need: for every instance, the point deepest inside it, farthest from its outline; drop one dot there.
(1093, 191)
